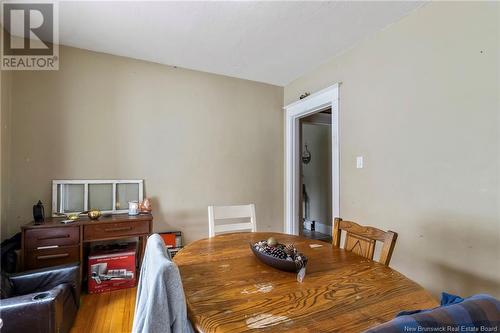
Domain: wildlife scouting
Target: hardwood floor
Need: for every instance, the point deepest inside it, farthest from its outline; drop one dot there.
(316, 235)
(111, 312)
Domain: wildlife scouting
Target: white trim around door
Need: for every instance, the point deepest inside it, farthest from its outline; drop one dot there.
(328, 97)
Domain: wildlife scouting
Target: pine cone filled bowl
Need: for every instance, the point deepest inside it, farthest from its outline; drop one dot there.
(284, 257)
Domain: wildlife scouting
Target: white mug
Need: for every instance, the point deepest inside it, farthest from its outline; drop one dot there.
(133, 208)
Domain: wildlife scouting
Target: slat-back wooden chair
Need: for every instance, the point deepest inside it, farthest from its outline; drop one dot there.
(231, 212)
(361, 239)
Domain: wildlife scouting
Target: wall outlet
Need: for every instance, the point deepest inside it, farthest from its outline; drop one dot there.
(359, 162)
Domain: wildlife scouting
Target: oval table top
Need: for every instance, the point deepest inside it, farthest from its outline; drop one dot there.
(229, 290)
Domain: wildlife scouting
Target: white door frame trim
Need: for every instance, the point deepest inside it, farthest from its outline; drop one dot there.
(328, 97)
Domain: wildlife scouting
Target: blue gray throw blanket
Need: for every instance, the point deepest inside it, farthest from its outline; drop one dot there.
(479, 313)
(160, 305)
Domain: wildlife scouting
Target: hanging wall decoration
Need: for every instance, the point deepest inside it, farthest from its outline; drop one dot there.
(306, 155)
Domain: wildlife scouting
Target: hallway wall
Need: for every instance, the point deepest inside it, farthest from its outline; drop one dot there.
(317, 174)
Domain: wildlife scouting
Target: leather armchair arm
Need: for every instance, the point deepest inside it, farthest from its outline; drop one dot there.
(35, 312)
(45, 279)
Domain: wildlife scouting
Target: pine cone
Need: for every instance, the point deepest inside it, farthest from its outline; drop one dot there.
(289, 249)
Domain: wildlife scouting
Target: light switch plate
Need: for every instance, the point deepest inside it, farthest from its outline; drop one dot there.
(359, 162)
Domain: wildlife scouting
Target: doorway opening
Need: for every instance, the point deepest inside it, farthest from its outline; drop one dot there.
(315, 207)
(315, 103)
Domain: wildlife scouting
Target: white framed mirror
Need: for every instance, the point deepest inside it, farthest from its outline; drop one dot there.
(109, 196)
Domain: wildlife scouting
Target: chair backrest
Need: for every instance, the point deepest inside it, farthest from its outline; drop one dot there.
(231, 212)
(160, 303)
(361, 239)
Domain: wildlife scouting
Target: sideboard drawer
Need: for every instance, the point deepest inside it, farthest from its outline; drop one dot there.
(63, 236)
(51, 257)
(110, 230)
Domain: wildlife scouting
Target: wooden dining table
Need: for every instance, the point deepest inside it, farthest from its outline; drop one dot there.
(229, 290)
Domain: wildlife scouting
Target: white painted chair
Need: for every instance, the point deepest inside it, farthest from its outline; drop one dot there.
(231, 212)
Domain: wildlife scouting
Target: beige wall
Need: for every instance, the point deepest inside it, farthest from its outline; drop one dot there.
(420, 101)
(195, 138)
(5, 139)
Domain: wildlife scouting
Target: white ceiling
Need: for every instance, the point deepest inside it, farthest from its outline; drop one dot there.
(272, 42)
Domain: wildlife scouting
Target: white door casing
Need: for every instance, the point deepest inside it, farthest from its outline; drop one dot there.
(328, 97)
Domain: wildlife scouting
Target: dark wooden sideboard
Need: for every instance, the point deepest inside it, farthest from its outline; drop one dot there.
(54, 243)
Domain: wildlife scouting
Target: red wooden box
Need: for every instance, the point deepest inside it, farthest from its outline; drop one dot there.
(111, 268)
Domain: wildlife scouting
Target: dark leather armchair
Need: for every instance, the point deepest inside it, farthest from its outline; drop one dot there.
(42, 300)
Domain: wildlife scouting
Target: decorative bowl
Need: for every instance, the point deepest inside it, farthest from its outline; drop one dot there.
(94, 214)
(281, 264)
(73, 217)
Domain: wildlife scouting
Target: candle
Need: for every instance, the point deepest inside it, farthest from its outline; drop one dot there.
(133, 208)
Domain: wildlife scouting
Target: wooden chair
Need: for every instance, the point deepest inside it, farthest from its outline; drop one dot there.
(231, 212)
(361, 240)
